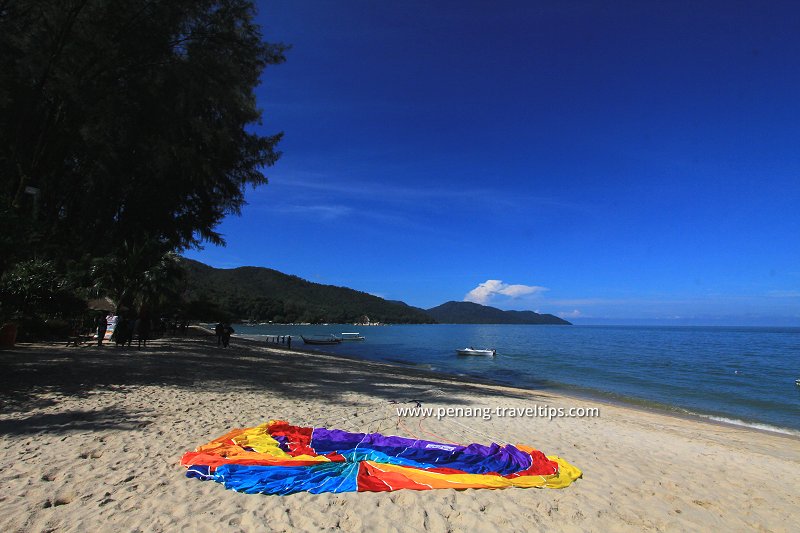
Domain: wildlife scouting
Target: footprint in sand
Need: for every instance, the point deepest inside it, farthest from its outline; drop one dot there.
(62, 498)
(404, 499)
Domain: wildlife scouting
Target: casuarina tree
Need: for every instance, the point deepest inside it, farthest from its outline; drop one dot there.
(126, 122)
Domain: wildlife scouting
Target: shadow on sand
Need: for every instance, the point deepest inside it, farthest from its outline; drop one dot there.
(33, 374)
(71, 421)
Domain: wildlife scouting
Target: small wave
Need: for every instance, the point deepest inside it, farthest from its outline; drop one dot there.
(754, 425)
(251, 337)
(402, 362)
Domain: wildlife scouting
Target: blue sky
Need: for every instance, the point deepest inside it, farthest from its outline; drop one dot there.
(610, 162)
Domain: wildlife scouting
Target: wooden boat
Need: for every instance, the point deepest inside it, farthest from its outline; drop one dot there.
(321, 340)
(352, 337)
(473, 351)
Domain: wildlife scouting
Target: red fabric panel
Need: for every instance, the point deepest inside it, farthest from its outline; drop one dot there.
(540, 464)
(213, 461)
(335, 457)
(372, 480)
(298, 438)
(443, 470)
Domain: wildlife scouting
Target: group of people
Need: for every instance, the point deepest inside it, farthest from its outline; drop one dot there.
(125, 330)
(223, 332)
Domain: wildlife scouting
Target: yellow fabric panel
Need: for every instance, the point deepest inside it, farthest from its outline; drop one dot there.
(260, 441)
(263, 446)
(567, 473)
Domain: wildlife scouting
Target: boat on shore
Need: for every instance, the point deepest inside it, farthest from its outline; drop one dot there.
(321, 340)
(473, 351)
(352, 337)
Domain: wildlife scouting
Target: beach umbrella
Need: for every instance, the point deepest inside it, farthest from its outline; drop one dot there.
(101, 304)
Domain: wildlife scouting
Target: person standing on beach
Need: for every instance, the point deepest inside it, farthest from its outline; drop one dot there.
(119, 331)
(143, 329)
(226, 335)
(123, 333)
(220, 332)
(102, 326)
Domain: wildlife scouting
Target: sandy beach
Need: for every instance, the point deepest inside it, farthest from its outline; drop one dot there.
(93, 437)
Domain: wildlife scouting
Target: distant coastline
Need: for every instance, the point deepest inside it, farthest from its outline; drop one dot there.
(264, 295)
(472, 313)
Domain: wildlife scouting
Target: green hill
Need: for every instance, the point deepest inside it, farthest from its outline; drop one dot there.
(472, 313)
(263, 294)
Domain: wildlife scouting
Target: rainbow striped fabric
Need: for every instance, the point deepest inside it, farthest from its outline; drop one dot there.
(279, 458)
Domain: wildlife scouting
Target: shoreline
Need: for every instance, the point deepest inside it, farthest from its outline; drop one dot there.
(560, 390)
(93, 438)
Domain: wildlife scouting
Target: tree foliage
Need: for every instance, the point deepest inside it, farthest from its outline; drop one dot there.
(472, 313)
(262, 294)
(132, 278)
(35, 289)
(126, 122)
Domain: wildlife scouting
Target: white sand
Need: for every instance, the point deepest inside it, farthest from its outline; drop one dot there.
(93, 438)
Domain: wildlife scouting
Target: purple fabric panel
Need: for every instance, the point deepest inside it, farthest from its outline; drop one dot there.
(283, 442)
(475, 458)
(330, 440)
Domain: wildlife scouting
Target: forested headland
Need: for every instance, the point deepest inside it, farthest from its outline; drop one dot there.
(262, 295)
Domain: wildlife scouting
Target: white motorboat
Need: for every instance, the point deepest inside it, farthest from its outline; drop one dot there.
(352, 337)
(473, 351)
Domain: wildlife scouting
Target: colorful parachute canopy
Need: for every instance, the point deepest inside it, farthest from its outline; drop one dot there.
(278, 458)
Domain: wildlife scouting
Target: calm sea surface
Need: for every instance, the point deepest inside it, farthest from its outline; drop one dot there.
(740, 375)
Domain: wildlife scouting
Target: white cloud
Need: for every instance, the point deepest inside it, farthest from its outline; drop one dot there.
(377, 188)
(575, 313)
(491, 288)
(325, 212)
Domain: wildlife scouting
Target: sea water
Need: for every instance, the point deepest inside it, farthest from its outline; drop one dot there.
(733, 374)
